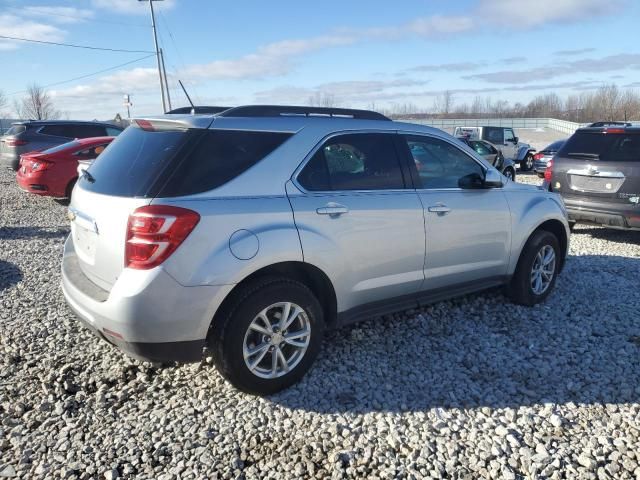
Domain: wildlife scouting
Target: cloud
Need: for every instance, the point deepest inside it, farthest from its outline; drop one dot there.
(15, 26)
(512, 60)
(525, 14)
(57, 14)
(450, 67)
(131, 6)
(110, 85)
(595, 65)
(579, 51)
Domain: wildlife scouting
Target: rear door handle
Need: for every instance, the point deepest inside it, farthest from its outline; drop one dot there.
(439, 209)
(332, 209)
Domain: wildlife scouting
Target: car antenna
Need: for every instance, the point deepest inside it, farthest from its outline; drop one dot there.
(193, 107)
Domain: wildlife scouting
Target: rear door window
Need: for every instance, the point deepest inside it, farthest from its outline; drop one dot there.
(359, 161)
(58, 130)
(87, 131)
(494, 135)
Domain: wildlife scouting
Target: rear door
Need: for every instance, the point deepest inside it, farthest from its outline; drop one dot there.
(599, 166)
(359, 220)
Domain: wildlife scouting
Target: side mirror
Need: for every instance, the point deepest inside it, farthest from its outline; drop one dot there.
(473, 180)
(516, 139)
(492, 179)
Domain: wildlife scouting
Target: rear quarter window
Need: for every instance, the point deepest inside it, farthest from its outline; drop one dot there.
(218, 157)
(16, 129)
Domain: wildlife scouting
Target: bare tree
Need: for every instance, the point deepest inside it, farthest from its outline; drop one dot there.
(36, 105)
(443, 103)
(3, 100)
(322, 99)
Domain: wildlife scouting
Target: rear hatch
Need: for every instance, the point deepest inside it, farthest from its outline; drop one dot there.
(127, 175)
(599, 164)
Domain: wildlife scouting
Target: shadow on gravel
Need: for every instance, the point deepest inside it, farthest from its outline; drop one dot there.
(582, 345)
(10, 274)
(21, 233)
(608, 234)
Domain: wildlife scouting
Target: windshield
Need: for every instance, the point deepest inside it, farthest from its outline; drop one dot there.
(61, 147)
(603, 146)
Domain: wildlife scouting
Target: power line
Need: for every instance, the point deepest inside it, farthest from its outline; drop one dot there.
(37, 11)
(74, 45)
(89, 74)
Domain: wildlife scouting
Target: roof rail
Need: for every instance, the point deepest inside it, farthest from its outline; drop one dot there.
(296, 111)
(203, 109)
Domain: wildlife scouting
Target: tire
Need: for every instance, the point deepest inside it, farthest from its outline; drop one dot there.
(69, 189)
(510, 173)
(521, 289)
(232, 336)
(527, 163)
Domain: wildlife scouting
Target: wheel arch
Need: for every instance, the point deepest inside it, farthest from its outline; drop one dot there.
(310, 275)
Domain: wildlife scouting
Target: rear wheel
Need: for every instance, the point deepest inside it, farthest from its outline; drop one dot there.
(537, 269)
(69, 190)
(527, 163)
(510, 173)
(269, 336)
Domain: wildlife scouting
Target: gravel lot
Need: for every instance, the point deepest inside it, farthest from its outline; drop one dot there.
(471, 388)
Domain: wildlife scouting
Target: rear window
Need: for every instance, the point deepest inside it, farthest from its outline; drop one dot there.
(132, 162)
(220, 156)
(611, 147)
(194, 161)
(61, 147)
(16, 129)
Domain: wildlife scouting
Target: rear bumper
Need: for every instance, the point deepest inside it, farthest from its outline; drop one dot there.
(146, 314)
(9, 160)
(610, 215)
(539, 166)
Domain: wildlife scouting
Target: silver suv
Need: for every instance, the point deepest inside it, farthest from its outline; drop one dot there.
(250, 232)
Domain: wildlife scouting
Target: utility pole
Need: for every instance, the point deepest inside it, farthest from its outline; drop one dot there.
(155, 42)
(166, 80)
(128, 104)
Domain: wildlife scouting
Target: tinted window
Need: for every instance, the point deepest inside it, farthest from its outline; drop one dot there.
(16, 129)
(57, 130)
(133, 162)
(220, 156)
(554, 147)
(603, 147)
(61, 147)
(481, 148)
(113, 132)
(493, 135)
(509, 136)
(359, 161)
(92, 152)
(439, 163)
(87, 131)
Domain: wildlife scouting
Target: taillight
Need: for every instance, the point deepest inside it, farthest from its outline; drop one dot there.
(14, 142)
(40, 165)
(547, 172)
(538, 156)
(154, 232)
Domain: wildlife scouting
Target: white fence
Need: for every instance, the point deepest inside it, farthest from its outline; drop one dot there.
(561, 126)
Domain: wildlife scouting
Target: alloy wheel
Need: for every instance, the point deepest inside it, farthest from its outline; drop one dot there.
(543, 269)
(276, 340)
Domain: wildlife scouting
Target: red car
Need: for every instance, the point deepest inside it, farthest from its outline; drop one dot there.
(53, 172)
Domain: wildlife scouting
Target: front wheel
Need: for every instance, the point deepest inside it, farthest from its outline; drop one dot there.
(537, 269)
(527, 163)
(270, 336)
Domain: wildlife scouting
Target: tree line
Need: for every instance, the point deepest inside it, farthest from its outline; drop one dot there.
(607, 103)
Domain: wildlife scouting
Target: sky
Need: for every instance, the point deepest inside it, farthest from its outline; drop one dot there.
(359, 53)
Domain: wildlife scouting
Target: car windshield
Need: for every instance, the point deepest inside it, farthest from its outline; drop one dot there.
(603, 146)
(61, 147)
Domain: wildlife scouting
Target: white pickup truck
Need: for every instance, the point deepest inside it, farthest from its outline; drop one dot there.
(505, 140)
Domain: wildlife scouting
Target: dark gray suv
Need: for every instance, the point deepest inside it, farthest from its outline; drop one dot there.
(32, 135)
(597, 172)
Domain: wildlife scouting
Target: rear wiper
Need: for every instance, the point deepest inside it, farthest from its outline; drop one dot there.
(90, 178)
(588, 155)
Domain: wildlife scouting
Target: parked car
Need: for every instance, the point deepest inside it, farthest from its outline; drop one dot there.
(300, 219)
(53, 172)
(503, 138)
(597, 172)
(492, 155)
(40, 135)
(542, 158)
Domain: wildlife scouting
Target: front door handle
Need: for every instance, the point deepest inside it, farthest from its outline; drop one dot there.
(439, 209)
(333, 209)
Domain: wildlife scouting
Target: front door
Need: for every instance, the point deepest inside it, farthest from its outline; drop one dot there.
(358, 220)
(509, 149)
(468, 230)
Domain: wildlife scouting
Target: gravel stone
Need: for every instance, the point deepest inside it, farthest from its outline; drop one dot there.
(474, 387)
